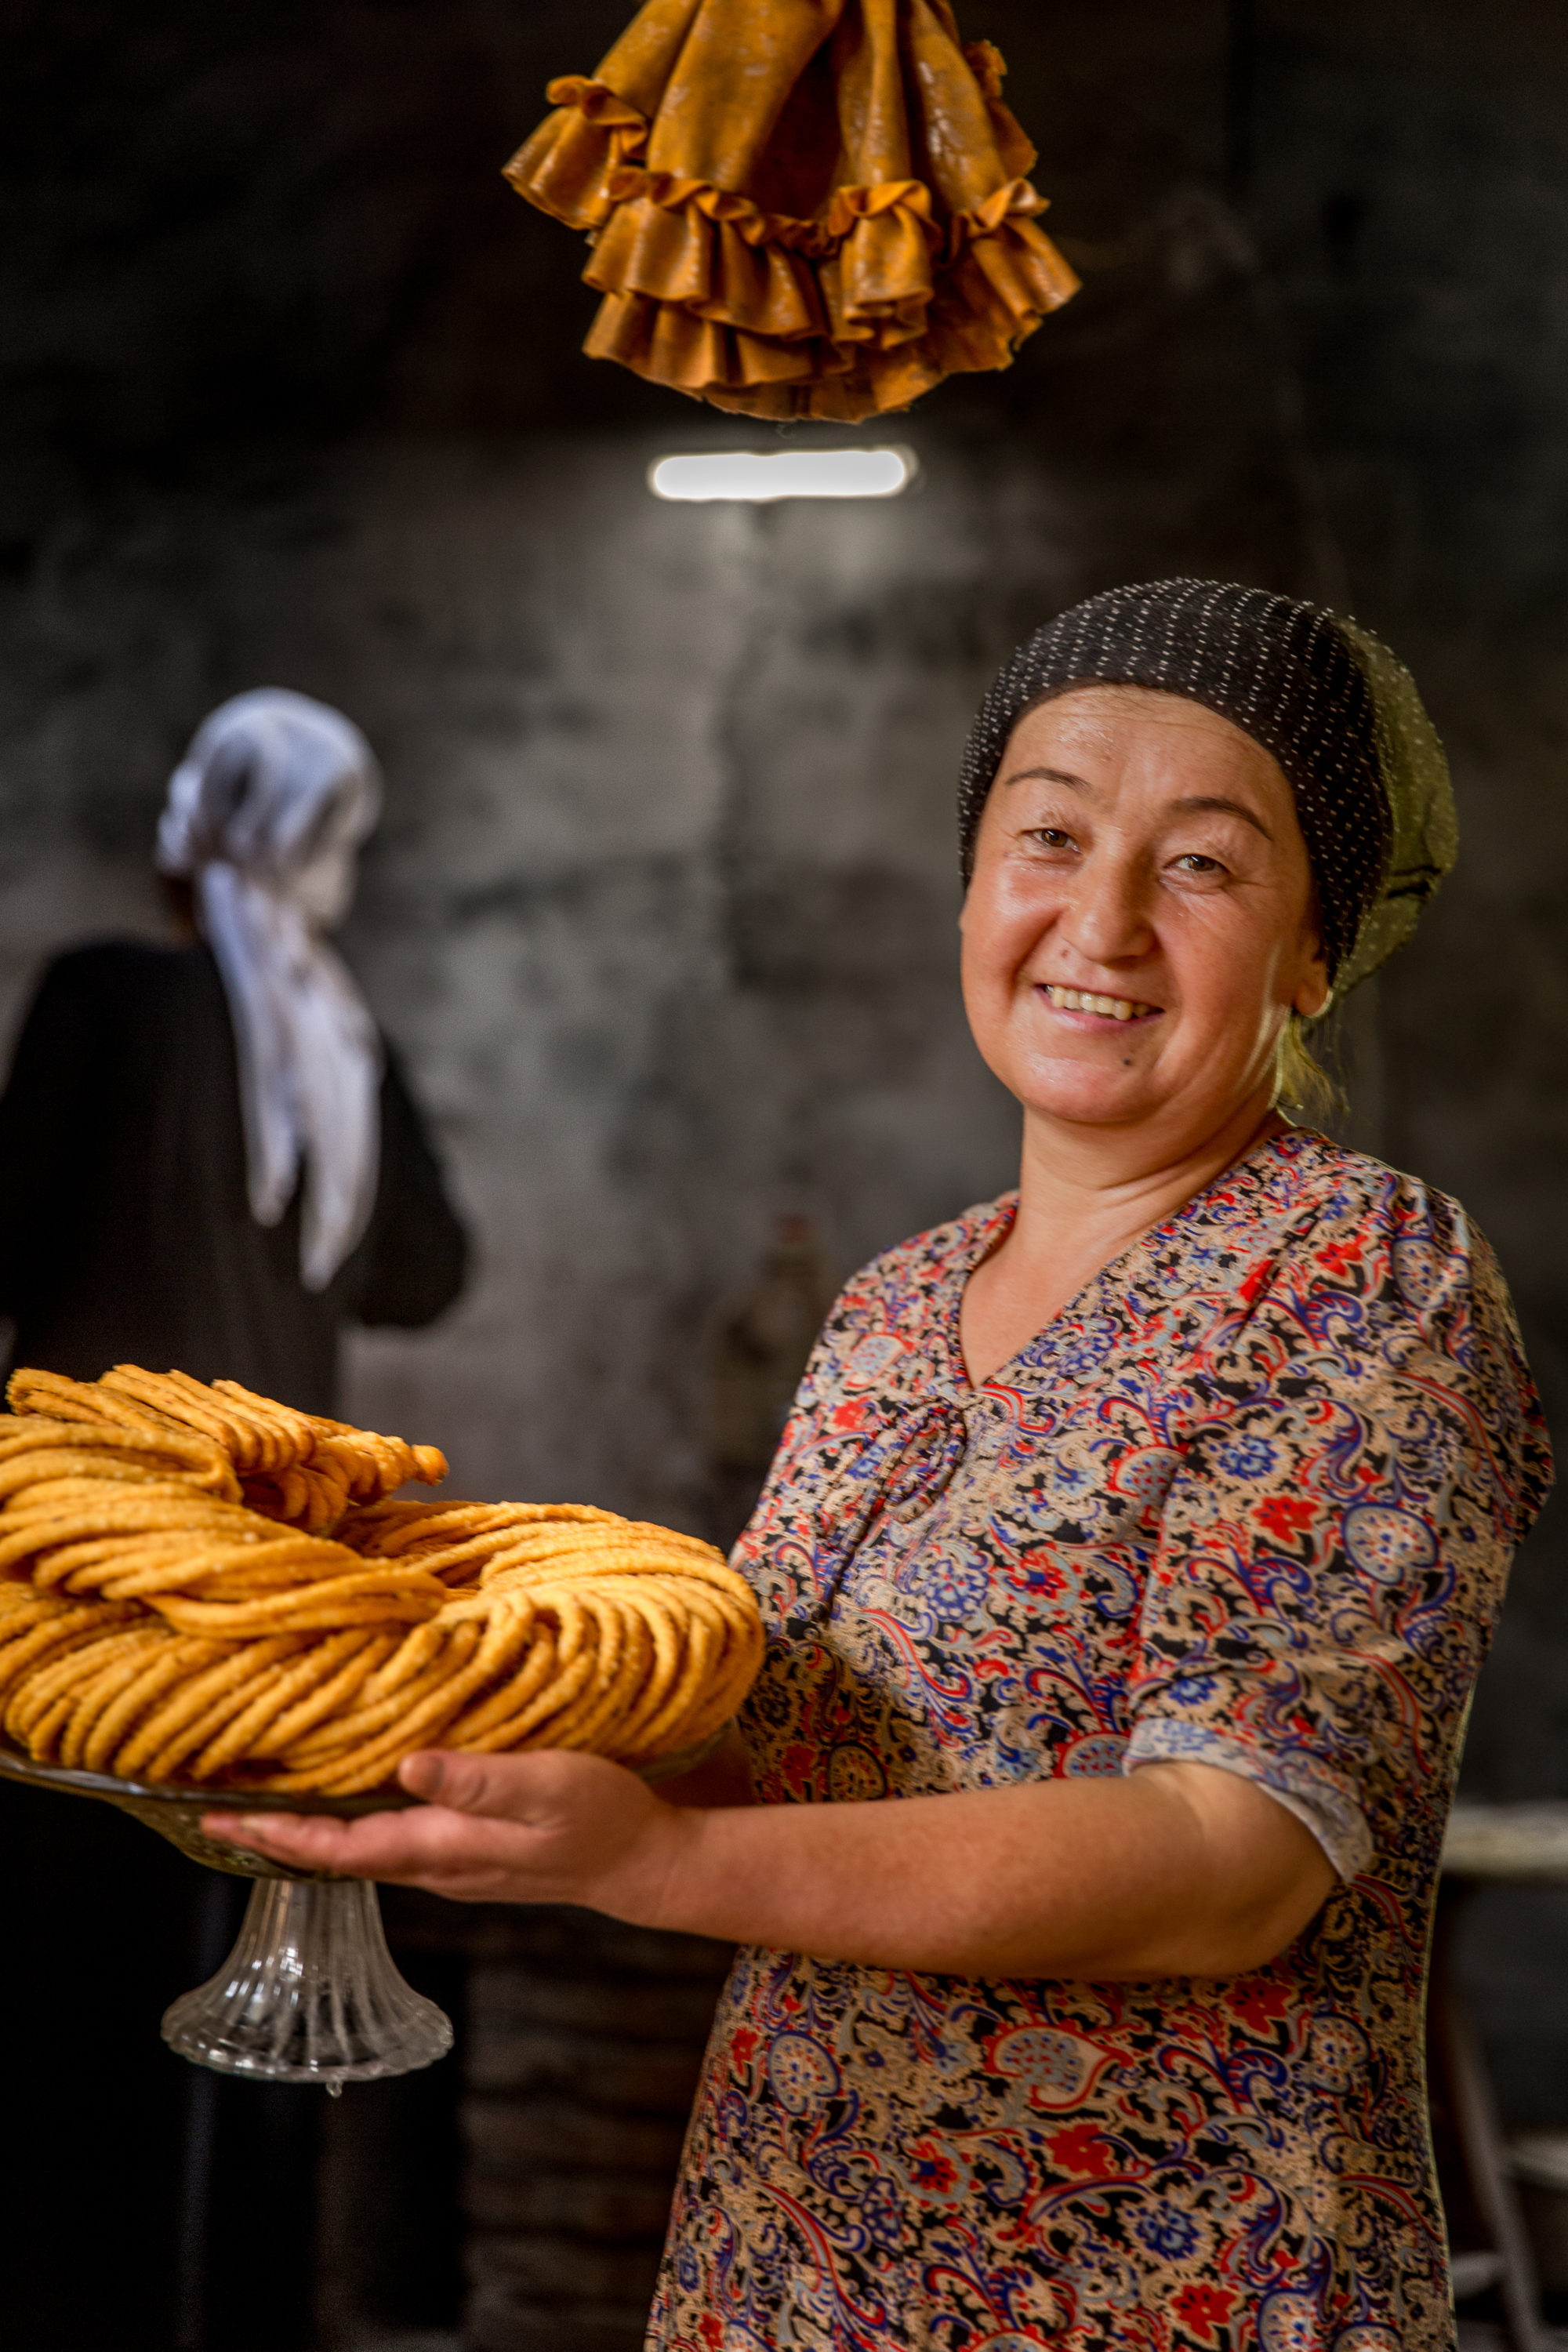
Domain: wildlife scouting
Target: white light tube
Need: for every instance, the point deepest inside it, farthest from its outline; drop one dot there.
(783, 474)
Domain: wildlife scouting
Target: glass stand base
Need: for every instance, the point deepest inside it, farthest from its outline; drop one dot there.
(309, 1994)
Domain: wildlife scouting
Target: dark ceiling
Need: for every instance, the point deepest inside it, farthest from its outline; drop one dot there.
(280, 214)
(285, 218)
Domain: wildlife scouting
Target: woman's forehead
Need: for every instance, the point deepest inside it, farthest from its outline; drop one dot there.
(1108, 729)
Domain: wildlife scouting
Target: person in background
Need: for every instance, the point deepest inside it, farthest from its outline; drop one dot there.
(209, 1157)
(210, 1160)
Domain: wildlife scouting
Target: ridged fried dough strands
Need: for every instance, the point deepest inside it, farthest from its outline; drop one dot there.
(198, 1584)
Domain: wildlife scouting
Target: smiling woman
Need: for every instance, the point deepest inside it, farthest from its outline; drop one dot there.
(1127, 1563)
(1141, 925)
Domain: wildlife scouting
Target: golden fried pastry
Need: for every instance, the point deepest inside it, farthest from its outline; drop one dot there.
(199, 1585)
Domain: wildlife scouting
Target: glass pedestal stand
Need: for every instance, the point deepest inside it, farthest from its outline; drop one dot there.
(309, 1994)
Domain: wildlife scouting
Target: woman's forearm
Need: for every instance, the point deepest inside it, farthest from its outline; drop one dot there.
(1178, 1870)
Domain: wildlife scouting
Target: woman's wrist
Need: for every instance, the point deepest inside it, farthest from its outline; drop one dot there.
(681, 1875)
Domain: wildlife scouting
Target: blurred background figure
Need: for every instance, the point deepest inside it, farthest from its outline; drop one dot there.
(208, 1156)
(209, 1159)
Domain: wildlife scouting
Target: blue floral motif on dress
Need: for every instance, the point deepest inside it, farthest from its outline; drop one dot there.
(1074, 1479)
(1388, 1544)
(801, 2072)
(1190, 1690)
(1088, 1349)
(1250, 1503)
(1289, 2323)
(1167, 2231)
(949, 1588)
(1248, 1457)
(881, 2211)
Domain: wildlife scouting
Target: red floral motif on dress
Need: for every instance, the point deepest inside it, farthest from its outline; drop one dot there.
(1203, 2311)
(1084, 2152)
(1284, 1515)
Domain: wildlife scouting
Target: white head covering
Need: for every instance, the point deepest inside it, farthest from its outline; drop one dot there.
(265, 815)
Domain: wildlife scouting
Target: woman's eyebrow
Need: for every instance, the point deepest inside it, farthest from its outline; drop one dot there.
(1216, 805)
(1190, 805)
(1052, 776)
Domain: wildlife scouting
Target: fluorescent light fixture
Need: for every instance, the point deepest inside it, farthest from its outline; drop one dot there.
(783, 474)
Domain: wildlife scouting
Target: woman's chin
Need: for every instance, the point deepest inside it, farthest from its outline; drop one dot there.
(1078, 1096)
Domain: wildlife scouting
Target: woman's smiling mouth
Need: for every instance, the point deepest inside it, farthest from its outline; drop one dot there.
(1083, 1000)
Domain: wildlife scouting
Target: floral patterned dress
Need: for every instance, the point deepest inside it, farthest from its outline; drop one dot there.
(1250, 1499)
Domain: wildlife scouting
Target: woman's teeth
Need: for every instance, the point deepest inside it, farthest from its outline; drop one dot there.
(1078, 1000)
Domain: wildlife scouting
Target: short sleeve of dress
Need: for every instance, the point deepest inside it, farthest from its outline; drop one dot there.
(1361, 1462)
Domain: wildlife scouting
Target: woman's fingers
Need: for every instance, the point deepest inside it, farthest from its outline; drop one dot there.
(393, 1845)
(547, 1827)
(545, 1789)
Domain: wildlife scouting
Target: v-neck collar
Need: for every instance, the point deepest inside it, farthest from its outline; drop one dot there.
(990, 1229)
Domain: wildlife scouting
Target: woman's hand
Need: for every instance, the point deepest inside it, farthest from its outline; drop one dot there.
(548, 1828)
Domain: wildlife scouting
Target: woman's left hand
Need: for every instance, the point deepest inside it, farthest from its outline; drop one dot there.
(552, 1827)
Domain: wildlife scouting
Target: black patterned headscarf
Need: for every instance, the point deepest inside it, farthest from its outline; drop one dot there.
(1333, 706)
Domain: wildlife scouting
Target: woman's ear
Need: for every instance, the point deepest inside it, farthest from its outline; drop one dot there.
(1314, 985)
(1314, 988)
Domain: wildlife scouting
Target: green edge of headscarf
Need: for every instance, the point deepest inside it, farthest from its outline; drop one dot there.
(1424, 824)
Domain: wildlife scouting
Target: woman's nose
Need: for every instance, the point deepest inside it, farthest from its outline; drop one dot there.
(1108, 916)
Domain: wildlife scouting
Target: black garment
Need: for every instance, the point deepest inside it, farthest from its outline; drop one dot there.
(126, 1234)
(126, 1237)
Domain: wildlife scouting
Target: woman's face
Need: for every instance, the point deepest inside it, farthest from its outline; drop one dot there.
(1139, 924)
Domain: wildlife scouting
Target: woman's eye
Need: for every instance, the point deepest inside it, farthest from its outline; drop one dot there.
(1050, 836)
(1195, 861)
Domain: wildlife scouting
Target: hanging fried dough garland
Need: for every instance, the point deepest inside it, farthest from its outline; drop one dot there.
(799, 207)
(199, 1585)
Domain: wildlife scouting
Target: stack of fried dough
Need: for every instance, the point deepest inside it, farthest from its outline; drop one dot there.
(199, 1586)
